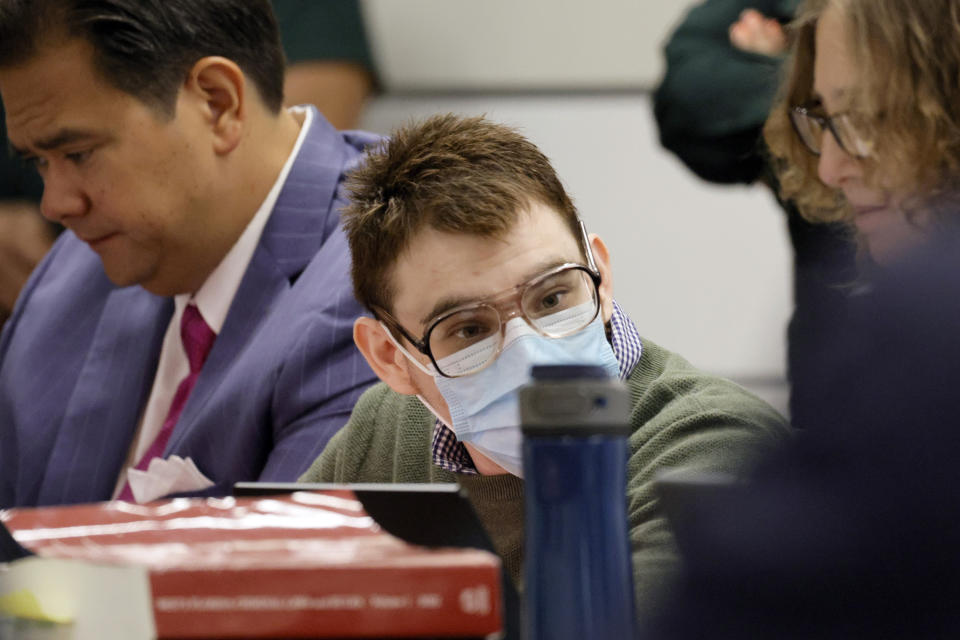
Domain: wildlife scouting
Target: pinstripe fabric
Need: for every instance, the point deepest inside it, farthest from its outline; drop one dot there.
(77, 357)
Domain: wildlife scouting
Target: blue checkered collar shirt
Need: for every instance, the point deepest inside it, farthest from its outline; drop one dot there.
(450, 454)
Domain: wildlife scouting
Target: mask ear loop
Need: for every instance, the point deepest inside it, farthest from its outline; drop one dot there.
(429, 371)
(436, 414)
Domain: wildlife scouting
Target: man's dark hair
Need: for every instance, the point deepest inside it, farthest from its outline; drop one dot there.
(147, 47)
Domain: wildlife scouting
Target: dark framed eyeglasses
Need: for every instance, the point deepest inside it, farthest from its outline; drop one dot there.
(559, 302)
(850, 132)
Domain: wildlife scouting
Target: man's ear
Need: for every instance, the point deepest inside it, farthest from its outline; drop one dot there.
(382, 354)
(601, 255)
(218, 85)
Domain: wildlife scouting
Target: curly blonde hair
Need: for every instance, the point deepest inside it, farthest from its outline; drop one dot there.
(907, 53)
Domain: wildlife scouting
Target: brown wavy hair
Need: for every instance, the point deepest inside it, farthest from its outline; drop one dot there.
(908, 56)
(451, 173)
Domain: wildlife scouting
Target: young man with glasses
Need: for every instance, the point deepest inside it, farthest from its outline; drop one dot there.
(475, 265)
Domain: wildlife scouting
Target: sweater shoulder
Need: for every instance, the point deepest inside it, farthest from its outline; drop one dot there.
(683, 417)
(386, 439)
(679, 408)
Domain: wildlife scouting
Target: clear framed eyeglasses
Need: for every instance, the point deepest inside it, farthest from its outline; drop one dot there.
(559, 302)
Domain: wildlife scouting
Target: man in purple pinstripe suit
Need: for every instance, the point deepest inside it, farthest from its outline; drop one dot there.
(158, 129)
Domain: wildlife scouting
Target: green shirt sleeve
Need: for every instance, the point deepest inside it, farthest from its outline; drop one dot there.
(714, 98)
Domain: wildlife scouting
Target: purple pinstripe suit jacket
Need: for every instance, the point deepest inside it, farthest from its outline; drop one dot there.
(78, 355)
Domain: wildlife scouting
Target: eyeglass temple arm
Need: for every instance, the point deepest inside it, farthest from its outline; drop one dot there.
(591, 263)
(384, 316)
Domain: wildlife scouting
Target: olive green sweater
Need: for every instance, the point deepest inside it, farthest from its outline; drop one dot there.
(681, 417)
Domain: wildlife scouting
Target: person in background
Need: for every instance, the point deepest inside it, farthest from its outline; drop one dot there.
(722, 69)
(475, 266)
(330, 66)
(865, 131)
(196, 313)
(853, 530)
(25, 237)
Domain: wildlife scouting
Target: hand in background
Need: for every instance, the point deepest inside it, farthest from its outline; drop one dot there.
(25, 237)
(756, 33)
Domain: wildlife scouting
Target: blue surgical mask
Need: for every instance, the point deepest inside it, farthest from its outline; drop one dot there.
(484, 406)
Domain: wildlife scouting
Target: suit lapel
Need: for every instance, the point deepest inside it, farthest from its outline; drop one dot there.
(303, 217)
(104, 409)
(300, 222)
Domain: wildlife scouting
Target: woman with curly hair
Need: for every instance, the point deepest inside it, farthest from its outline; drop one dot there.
(853, 530)
(866, 129)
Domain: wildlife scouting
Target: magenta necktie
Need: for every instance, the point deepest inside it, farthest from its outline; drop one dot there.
(197, 339)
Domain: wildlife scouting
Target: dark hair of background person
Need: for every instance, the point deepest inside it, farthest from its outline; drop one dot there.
(449, 173)
(334, 31)
(146, 47)
(329, 59)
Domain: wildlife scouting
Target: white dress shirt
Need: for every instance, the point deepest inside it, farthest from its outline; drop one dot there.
(213, 300)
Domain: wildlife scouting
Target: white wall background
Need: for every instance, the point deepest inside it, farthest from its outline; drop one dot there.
(703, 269)
(526, 44)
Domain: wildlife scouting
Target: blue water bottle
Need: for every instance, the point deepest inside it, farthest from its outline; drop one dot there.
(578, 578)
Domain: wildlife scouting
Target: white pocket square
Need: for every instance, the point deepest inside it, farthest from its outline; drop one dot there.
(165, 476)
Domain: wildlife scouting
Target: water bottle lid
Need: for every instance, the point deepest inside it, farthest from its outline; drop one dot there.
(567, 371)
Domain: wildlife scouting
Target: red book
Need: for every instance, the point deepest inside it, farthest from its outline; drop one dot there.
(307, 564)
